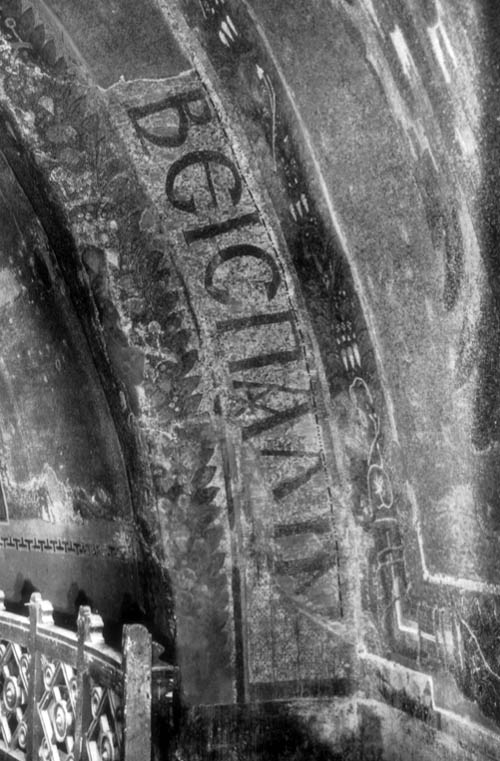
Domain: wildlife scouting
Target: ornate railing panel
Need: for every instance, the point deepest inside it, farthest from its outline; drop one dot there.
(104, 736)
(57, 709)
(67, 696)
(14, 666)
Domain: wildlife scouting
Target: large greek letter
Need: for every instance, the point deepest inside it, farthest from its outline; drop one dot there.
(204, 159)
(234, 252)
(279, 356)
(185, 114)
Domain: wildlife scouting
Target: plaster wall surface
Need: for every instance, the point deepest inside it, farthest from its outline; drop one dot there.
(271, 254)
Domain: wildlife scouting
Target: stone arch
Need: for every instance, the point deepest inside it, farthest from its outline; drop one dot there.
(262, 435)
(154, 306)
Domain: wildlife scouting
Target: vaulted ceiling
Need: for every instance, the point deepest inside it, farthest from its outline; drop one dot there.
(248, 375)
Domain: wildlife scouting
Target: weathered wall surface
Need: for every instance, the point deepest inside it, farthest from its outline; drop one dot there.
(188, 303)
(74, 478)
(272, 261)
(377, 118)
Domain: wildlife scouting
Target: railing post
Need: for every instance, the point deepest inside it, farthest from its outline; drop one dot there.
(40, 612)
(137, 660)
(90, 628)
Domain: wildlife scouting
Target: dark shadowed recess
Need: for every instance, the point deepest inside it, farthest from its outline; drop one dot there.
(52, 220)
(51, 405)
(487, 421)
(275, 731)
(120, 38)
(51, 217)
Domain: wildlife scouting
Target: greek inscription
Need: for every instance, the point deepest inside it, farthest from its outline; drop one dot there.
(263, 320)
(220, 228)
(310, 569)
(234, 252)
(189, 108)
(257, 397)
(271, 399)
(315, 566)
(203, 159)
(275, 419)
(289, 485)
(312, 526)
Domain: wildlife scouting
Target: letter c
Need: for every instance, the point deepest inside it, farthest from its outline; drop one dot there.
(233, 252)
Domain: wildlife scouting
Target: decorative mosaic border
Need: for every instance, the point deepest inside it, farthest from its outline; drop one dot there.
(65, 547)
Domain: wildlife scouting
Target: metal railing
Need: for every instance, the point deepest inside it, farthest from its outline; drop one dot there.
(67, 696)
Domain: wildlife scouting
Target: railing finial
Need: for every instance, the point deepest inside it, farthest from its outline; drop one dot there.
(90, 626)
(41, 611)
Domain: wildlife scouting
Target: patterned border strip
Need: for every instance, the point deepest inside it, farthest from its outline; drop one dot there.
(65, 546)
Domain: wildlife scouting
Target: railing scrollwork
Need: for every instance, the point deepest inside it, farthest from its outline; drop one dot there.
(67, 696)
